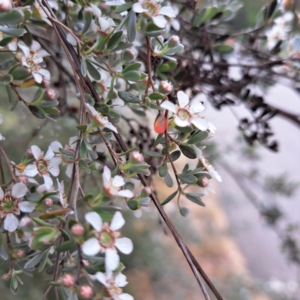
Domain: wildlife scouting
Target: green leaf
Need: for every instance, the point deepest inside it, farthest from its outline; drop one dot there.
(169, 198)
(131, 26)
(114, 40)
(67, 152)
(168, 180)
(6, 79)
(188, 151)
(65, 246)
(175, 155)
(38, 96)
(41, 222)
(159, 140)
(37, 111)
(103, 108)
(83, 68)
(3, 253)
(163, 170)
(19, 73)
(133, 204)
(153, 30)
(12, 17)
(50, 110)
(156, 96)
(132, 76)
(87, 17)
(128, 97)
(195, 197)
(198, 137)
(43, 262)
(187, 178)
(123, 7)
(121, 46)
(92, 70)
(6, 64)
(5, 41)
(35, 260)
(82, 127)
(184, 211)
(83, 149)
(132, 67)
(209, 13)
(223, 48)
(13, 31)
(153, 154)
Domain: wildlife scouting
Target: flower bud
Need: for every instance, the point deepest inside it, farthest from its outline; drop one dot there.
(48, 202)
(50, 94)
(25, 222)
(137, 156)
(5, 5)
(86, 291)
(68, 280)
(173, 41)
(203, 182)
(128, 55)
(45, 83)
(23, 179)
(148, 190)
(20, 253)
(165, 87)
(77, 229)
(6, 276)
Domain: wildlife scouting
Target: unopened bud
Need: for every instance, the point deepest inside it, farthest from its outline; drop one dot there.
(48, 202)
(50, 94)
(173, 41)
(45, 83)
(23, 179)
(203, 182)
(70, 4)
(137, 156)
(86, 291)
(128, 55)
(25, 222)
(165, 87)
(21, 253)
(77, 229)
(5, 5)
(68, 280)
(148, 190)
(6, 276)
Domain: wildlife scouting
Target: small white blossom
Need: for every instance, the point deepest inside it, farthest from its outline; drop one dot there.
(106, 239)
(113, 285)
(11, 204)
(43, 165)
(186, 114)
(112, 185)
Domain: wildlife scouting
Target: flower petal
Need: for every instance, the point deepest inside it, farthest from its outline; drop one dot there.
(37, 77)
(31, 170)
(111, 127)
(55, 146)
(1, 193)
(167, 11)
(120, 280)
(26, 206)
(124, 245)
(112, 259)
(45, 73)
(200, 124)
(72, 143)
(36, 152)
(48, 182)
(118, 181)
(69, 170)
(101, 277)
(19, 190)
(91, 247)
(91, 109)
(138, 8)
(117, 221)
(49, 154)
(125, 193)
(125, 296)
(183, 99)
(11, 223)
(94, 219)
(196, 107)
(181, 123)
(54, 166)
(169, 106)
(160, 21)
(106, 175)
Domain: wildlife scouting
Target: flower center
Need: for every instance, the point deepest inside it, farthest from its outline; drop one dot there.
(183, 114)
(9, 204)
(106, 238)
(152, 8)
(42, 166)
(112, 289)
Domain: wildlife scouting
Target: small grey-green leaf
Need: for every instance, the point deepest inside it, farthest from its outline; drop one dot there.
(114, 40)
(168, 180)
(128, 97)
(12, 17)
(123, 7)
(34, 260)
(131, 26)
(195, 197)
(163, 170)
(169, 198)
(93, 71)
(188, 151)
(83, 68)
(184, 211)
(37, 111)
(13, 31)
(153, 154)
(187, 178)
(175, 155)
(132, 76)
(6, 79)
(87, 17)
(198, 137)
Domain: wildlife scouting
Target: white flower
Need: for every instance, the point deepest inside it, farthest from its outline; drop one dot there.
(152, 9)
(106, 240)
(2, 138)
(112, 185)
(100, 119)
(43, 165)
(11, 204)
(66, 159)
(186, 114)
(113, 286)
(32, 59)
(207, 166)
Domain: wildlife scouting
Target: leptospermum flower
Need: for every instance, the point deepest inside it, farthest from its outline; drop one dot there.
(44, 165)
(106, 239)
(152, 9)
(100, 120)
(11, 204)
(185, 114)
(113, 285)
(112, 185)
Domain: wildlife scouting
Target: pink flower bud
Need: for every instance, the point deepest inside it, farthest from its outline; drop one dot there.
(68, 280)
(137, 156)
(21, 253)
(50, 94)
(203, 182)
(48, 202)
(26, 221)
(45, 82)
(6, 276)
(148, 190)
(165, 87)
(77, 229)
(5, 5)
(86, 291)
(173, 41)
(23, 179)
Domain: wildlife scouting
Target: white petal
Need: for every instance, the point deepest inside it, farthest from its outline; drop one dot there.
(124, 245)
(160, 21)
(48, 181)
(196, 107)
(91, 109)
(169, 106)
(175, 24)
(111, 127)
(106, 175)
(45, 73)
(120, 280)
(101, 277)
(104, 24)
(55, 146)
(35, 46)
(183, 99)
(138, 8)
(94, 219)
(11, 223)
(200, 123)
(19, 190)
(69, 170)
(125, 193)
(211, 127)
(118, 181)
(49, 154)
(91, 247)
(117, 221)
(71, 39)
(1, 193)
(31, 170)
(36, 152)
(125, 296)
(181, 123)
(27, 206)
(167, 11)
(54, 166)
(24, 48)
(37, 77)
(112, 259)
